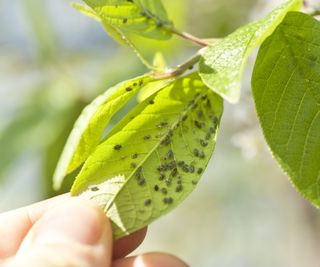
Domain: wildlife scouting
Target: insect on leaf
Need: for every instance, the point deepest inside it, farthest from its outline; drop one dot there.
(286, 90)
(90, 126)
(222, 64)
(154, 157)
(146, 18)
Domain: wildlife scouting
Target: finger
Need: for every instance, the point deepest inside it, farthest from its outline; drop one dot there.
(15, 224)
(73, 234)
(125, 245)
(150, 260)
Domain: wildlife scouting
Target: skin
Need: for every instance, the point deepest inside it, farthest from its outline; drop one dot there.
(70, 232)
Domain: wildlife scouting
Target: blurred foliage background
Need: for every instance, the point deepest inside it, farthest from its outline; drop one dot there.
(53, 61)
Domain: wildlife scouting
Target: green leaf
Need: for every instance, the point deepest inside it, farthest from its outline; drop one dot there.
(223, 63)
(286, 90)
(154, 157)
(89, 128)
(146, 18)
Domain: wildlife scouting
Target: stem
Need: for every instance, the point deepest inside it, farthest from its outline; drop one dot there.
(179, 70)
(191, 38)
(315, 13)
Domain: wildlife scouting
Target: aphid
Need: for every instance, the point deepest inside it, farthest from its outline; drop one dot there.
(164, 190)
(151, 102)
(203, 143)
(135, 84)
(117, 147)
(170, 154)
(174, 172)
(125, 20)
(194, 182)
(191, 168)
(162, 176)
(141, 181)
(212, 130)
(202, 155)
(179, 182)
(179, 188)
(133, 165)
(161, 168)
(147, 202)
(194, 106)
(184, 117)
(162, 124)
(159, 24)
(204, 97)
(94, 188)
(156, 188)
(170, 133)
(130, 1)
(207, 136)
(198, 124)
(140, 82)
(143, 13)
(200, 170)
(196, 152)
(168, 181)
(191, 67)
(185, 168)
(180, 163)
(166, 141)
(168, 200)
(215, 120)
(208, 103)
(147, 137)
(128, 89)
(171, 164)
(134, 156)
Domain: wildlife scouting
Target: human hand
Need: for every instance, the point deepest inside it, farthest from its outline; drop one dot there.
(69, 232)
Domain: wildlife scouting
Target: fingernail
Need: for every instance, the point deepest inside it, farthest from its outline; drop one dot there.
(74, 220)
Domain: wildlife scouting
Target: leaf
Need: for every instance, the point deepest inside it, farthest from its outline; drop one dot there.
(154, 157)
(146, 18)
(223, 63)
(90, 126)
(286, 90)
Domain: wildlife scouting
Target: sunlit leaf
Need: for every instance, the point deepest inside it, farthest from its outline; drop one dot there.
(90, 126)
(222, 64)
(154, 157)
(286, 89)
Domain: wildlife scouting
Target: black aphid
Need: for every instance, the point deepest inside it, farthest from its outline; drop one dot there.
(212, 130)
(207, 136)
(125, 20)
(203, 143)
(164, 190)
(143, 13)
(147, 137)
(215, 120)
(151, 102)
(135, 84)
(166, 141)
(117, 147)
(180, 163)
(159, 24)
(134, 156)
(147, 202)
(168, 200)
(140, 82)
(156, 188)
(170, 133)
(133, 165)
(185, 168)
(162, 124)
(171, 165)
(141, 181)
(184, 117)
(196, 152)
(198, 124)
(200, 170)
(128, 89)
(170, 154)
(194, 182)
(179, 188)
(200, 114)
(174, 172)
(94, 188)
(162, 176)
(168, 181)
(191, 67)
(191, 168)
(161, 168)
(179, 182)
(202, 155)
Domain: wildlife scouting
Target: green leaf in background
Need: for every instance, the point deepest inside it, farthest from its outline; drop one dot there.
(89, 128)
(154, 157)
(223, 63)
(286, 90)
(146, 18)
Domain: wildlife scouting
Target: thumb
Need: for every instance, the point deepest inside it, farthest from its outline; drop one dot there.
(74, 234)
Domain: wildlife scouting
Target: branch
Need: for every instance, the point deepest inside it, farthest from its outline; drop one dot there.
(179, 70)
(191, 38)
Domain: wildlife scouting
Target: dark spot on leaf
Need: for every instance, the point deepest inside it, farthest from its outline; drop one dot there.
(179, 188)
(151, 102)
(147, 202)
(134, 156)
(140, 82)
(191, 168)
(128, 89)
(94, 188)
(135, 84)
(164, 190)
(174, 172)
(208, 136)
(168, 200)
(162, 124)
(202, 155)
(162, 176)
(117, 147)
(170, 154)
(141, 181)
(168, 181)
(133, 165)
(203, 143)
(125, 20)
(196, 152)
(200, 170)
(198, 124)
(156, 188)
(147, 137)
(194, 182)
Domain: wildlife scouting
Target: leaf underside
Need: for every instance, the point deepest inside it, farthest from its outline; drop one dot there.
(222, 65)
(90, 126)
(154, 157)
(286, 89)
